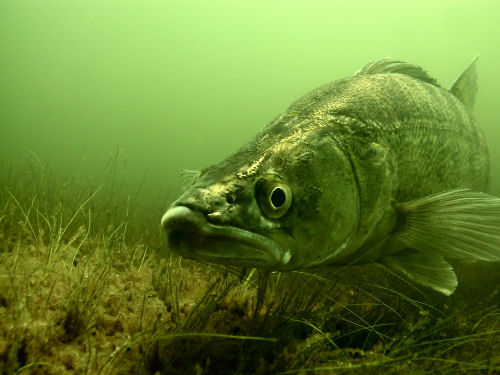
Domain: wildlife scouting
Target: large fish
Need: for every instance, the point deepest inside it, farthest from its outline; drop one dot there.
(384, 166)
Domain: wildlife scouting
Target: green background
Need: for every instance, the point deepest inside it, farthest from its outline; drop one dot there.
(182, 84)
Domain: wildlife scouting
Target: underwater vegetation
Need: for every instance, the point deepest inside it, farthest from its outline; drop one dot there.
(87, 286)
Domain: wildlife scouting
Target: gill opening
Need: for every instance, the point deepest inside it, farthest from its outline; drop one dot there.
(356, 181)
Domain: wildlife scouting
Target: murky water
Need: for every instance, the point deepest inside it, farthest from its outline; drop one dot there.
(181, 84)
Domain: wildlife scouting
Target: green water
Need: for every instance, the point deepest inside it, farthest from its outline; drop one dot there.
(181, 84)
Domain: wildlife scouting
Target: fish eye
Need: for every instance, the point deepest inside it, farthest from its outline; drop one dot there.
(273, 196)
(277, 197)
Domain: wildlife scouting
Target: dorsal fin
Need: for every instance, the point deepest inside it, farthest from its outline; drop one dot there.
(395, 66)
(465, 87)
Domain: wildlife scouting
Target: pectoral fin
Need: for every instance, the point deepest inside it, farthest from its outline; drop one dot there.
(461, 224)
(429, 270)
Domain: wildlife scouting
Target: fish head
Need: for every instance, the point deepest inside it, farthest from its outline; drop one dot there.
(282, 203)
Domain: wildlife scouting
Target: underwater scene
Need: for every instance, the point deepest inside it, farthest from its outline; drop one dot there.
(249, 187)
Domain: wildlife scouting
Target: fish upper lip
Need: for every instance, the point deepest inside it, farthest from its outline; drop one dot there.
(184, 219)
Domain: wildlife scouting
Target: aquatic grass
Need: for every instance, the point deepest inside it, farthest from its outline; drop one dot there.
(31, 230)
(141, 259)
(14, 355)
(49, 231)
(3, 211)
(322, 333)
(86, 288)
(34, 364)
(216, 335)
(83, 233)
(265, 311)
(408, 361)
(26, 217)
(425, 330)
(78, 290)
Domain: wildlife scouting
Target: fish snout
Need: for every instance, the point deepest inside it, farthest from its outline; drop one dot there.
(204, 200)
(178, 221)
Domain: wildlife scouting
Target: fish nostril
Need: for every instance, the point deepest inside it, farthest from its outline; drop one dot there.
(230, 198)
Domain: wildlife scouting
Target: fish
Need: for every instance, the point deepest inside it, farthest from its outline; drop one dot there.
(385, 166)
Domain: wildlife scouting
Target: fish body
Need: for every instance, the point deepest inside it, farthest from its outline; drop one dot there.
(383, 166)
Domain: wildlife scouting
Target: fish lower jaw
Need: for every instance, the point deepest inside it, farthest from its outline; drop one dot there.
(220, 250)
(231, 255)
(192, 236)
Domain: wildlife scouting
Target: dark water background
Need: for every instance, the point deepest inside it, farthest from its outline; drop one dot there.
(182, 84)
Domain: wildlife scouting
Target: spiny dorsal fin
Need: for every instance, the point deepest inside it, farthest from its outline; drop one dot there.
(395, 66)
(465, 87)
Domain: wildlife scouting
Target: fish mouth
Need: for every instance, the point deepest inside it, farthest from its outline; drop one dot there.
(191, 235)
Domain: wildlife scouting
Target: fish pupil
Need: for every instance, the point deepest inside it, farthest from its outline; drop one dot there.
(278, 197)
